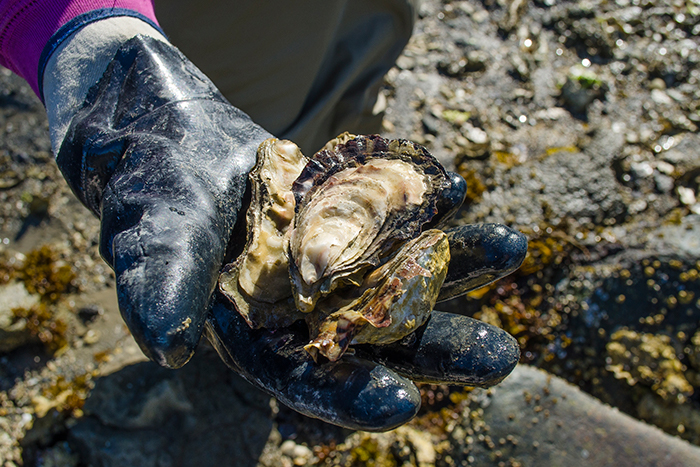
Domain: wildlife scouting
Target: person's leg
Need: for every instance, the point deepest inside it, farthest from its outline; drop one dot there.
(303, 70)
(366, 45)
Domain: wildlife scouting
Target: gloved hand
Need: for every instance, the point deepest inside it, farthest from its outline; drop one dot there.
(374, 390)
(162, 158)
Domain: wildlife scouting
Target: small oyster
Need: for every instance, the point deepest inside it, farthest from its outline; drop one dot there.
(337, 240)
(392, 301)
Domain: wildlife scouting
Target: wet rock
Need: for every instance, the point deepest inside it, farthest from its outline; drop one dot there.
(88, 314)
(686, 195)
(648, 359)
(578, 25)
(431, 124)
(405, 63)
(660, 97)
(59, 455)
(678, 419)
(664, 183)
(627, 321)
(683, 156)
(681, 237)
(581, 88)
(570, 184)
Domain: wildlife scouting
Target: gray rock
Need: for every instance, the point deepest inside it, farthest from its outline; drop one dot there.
(577, 97)
(59, 455)
(431, 124)
(682, 238)
(652, 298)
(685, 156)
(568, 184)
(537, 419)
(664, 183)
(201, 415)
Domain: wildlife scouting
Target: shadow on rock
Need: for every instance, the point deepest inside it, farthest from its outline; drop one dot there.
(201, 415)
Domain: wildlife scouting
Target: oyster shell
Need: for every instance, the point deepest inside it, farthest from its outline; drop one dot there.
(392, 301)
(337, 240)
(258, 281)
(355, 204)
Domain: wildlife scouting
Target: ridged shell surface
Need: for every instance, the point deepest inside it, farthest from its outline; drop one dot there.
(257, 282)
(337, 240)
(355, 204)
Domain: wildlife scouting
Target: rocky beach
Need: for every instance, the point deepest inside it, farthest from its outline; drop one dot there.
(574, 122)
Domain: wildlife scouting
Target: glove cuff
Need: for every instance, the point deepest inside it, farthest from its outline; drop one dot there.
(77, 56)
(27, 25)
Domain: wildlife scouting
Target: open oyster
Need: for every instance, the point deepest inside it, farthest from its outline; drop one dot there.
(355, 203)
(337, 240)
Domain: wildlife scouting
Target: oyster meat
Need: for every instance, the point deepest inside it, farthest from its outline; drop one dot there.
(337, 240)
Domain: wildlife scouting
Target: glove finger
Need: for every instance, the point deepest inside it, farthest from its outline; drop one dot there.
(352, 392)
(479, 255)
(165, 274)
(450, 349)
(450, 200)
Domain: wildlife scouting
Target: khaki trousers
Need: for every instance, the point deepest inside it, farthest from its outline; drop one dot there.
(305, 70)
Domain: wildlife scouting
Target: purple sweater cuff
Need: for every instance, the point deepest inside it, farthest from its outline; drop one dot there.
(26, 26)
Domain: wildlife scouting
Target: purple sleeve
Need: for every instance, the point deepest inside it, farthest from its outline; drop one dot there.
(27, 26)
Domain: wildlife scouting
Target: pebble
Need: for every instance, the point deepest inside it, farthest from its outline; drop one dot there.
(405, 63)
(299, 453)
(642, 169)
(660, 97)
(657, 83)
(664, 183)
(686, 195)
(474, 134)
(665, 167)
